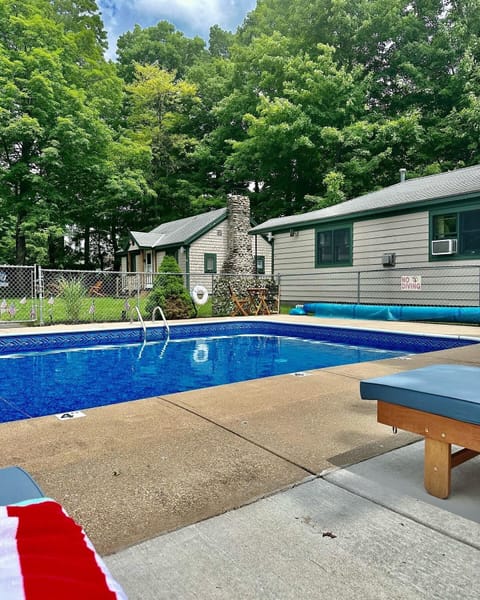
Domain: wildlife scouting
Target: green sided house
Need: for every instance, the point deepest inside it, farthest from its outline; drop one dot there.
(200, 244)
(415, 242)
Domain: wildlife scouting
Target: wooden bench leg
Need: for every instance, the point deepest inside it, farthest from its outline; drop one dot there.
(437, 468)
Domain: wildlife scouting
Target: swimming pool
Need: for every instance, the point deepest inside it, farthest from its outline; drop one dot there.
(57, 373)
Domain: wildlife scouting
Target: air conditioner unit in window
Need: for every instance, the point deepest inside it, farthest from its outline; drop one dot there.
(440, 247)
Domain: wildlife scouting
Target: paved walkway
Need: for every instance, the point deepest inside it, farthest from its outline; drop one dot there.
(353, 534)
(142, 477)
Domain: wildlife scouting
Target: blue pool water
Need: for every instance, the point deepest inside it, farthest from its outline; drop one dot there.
(56, 373)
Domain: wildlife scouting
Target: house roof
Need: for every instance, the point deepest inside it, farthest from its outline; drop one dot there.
(179, 232)
(460, 182)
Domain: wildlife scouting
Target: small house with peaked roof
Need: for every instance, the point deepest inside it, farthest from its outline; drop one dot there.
(365, 249)
(199, 244)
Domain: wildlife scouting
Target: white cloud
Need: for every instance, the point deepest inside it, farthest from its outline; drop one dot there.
(192, 17)
(195, 12)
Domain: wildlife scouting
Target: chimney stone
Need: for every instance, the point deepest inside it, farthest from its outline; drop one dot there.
(239, 254)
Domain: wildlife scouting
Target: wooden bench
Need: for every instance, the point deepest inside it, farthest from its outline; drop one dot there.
(441, 403)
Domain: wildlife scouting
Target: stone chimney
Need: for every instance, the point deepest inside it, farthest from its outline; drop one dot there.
(239, 254)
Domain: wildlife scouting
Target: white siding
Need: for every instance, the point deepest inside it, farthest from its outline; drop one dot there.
(213, 242)
(157, 261)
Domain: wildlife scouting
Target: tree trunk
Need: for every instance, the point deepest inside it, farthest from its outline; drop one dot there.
(116, 258)
(20, 243)
(86, 255)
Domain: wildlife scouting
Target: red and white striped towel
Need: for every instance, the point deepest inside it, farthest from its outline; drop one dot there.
(45, 555)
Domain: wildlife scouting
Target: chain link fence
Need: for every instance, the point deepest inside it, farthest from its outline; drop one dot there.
(414, 286)
(19, 301)
(33, 295)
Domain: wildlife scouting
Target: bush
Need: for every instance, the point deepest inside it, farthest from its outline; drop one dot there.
(72, 291)
(169, 292)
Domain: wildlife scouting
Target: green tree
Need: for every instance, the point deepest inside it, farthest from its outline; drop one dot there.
(298, 96)
(161, 109)
(220, 42)
(58, 94)
(161, 45)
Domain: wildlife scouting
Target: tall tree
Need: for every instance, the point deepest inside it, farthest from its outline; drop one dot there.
(160, 45)
(55, 118)
(160, 113)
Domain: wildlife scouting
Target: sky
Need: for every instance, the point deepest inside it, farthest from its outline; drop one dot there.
(192, 17)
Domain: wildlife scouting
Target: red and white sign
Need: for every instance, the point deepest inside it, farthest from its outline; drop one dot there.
(411, 283)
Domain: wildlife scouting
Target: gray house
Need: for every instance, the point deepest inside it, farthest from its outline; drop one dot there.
(200, 245)
(415, 242)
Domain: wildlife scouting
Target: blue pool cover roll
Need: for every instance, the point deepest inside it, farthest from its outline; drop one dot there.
(450, 314)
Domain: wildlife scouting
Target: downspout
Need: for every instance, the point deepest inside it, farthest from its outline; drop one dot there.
(187, 266)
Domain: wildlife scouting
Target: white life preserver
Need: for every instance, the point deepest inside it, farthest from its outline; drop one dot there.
(200, 295)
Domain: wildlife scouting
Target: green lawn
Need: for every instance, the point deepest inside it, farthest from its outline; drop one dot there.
(85, 310)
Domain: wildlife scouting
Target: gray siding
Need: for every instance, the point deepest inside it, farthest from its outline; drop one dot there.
(405, 235)
(449, 282)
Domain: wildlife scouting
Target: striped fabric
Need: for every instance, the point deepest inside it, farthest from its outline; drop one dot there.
(45, 555)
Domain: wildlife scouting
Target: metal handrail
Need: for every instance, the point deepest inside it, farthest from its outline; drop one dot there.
(137, 310)
(162, 314)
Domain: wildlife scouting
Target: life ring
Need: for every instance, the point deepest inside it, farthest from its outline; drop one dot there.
(200, 353)
(200, 295)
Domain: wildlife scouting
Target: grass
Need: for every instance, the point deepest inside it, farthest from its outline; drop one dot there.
(90, 309)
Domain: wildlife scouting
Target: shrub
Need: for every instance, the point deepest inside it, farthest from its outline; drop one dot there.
(169, 292)
(72, 292)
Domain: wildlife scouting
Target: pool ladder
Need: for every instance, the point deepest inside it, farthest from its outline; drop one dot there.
(167, 328)
(162, 314)
(139, 314)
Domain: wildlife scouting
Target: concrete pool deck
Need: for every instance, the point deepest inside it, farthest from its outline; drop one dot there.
(134, 471)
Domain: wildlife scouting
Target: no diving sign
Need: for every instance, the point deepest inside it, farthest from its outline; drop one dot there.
(411, 283)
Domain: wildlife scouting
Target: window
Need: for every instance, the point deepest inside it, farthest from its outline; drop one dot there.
(210, 263)
(463, 226)
(260, 265)
(333, 247)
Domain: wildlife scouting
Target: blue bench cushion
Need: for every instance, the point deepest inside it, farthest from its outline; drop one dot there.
(447, 390)
(16, 485)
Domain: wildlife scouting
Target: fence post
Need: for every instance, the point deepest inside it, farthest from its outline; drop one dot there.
(40, 295)
(138, 290)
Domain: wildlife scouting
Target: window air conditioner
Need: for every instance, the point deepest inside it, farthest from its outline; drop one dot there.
(440, 247)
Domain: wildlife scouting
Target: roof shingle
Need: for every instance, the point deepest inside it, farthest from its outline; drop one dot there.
(460, 182)
(178, 232)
